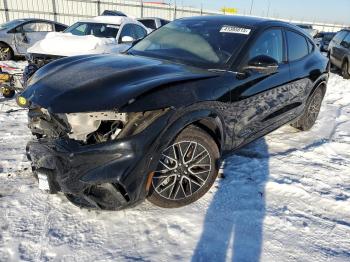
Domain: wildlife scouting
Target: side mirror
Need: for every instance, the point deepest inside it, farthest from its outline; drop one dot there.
(127, 40)
(345, 44)
(262, 64)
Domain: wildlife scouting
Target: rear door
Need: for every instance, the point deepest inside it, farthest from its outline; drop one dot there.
(30, 33)
(303, 67)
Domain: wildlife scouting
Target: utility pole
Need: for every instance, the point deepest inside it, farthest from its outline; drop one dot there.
(251, 7)
(268, 8)
(141, 7)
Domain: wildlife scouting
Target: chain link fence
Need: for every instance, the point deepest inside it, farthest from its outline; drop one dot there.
(69, 11)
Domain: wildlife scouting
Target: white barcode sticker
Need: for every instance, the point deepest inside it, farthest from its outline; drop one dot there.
(235, 30)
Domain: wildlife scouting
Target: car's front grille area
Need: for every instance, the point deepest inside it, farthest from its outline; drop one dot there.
(40, 59)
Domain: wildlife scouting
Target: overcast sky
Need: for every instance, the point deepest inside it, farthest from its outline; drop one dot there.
(332, 11)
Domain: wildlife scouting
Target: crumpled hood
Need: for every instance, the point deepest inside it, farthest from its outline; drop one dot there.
(66, 44)
(103, 82)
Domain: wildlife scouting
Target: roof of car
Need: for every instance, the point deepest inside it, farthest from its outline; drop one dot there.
(115, 20)
(143, 18)
(35, 19)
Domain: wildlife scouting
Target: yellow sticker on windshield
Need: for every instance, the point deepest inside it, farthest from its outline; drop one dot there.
(235, 30)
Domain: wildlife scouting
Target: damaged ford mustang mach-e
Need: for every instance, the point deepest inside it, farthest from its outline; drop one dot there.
(113, 130)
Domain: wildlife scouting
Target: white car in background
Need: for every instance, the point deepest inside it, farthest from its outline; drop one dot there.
(98, 35)
(153, 22)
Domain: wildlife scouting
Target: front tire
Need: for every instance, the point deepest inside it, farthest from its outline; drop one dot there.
(5, 52)
(345, 70)
(309, 117)
(186, 171)
(8, 93)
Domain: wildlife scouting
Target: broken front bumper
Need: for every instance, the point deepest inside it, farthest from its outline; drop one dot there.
(110, 175)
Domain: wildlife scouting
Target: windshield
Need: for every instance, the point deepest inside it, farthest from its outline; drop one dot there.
(197, 42)
(11, 24)
(96, 29)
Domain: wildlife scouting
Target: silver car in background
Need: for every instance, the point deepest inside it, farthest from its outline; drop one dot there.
(18, 35)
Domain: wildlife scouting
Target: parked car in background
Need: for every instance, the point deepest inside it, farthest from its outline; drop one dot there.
(339, 52)
(18, 35)
(113, 13)
(154, 122)
(308, 29)
(153, 22)
(322, 40)
(99, 35)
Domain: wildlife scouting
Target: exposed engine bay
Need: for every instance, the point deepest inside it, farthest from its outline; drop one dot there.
(88, 128)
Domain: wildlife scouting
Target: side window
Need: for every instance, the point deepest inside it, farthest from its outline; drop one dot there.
(346, 42)
(339, 36)
(269, 43)
(38, 27)
(297, 46)
(127, 31)
(139, 32)
(149, 23)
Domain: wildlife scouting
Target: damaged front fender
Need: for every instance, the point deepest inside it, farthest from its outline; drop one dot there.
(79, 170)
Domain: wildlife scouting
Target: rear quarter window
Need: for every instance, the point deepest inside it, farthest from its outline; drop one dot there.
(298, 47)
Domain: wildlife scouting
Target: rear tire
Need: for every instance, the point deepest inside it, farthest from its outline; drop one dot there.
(186, 171)
(345, 70)
(5, 52)
(309, 117)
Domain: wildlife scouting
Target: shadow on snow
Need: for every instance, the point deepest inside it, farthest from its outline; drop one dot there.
(233, 226)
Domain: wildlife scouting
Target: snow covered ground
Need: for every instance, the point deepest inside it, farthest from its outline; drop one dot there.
(285, 197)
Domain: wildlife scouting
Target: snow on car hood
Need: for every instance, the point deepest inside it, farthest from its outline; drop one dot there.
(66, 44)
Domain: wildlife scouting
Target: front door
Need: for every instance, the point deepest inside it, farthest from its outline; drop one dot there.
(30, 33)
(260, 98)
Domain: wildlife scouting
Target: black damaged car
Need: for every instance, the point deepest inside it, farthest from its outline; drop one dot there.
(113, 130)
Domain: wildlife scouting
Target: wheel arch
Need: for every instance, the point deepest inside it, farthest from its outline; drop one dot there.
(321, 82)
(208, 120)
